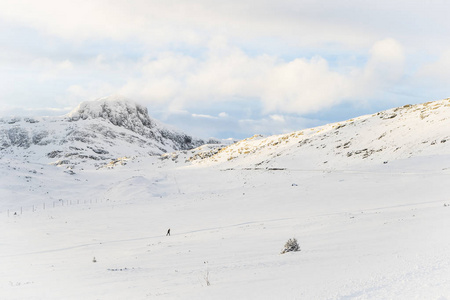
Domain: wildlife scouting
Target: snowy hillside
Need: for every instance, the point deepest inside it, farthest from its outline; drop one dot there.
(104, 129)
(400, 133)
(367, 199)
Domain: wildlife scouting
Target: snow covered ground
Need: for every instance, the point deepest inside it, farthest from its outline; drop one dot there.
(374, 231)
(367, 199)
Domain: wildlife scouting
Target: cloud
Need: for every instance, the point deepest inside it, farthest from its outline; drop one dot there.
(93, 90)
(203, 116)
(27, 111)
(226, 73)
(304, 86)
(278, 118)
(430, 82)
(49, 69)
(436, 72)
(222, 73)
(263, 58)
(237, 126)
(270, 125)
(352, 24)
(386, 64)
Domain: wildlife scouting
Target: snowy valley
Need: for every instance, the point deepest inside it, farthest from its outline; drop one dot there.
(87, 199)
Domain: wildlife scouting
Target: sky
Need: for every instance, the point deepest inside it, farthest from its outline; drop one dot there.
(225, 68)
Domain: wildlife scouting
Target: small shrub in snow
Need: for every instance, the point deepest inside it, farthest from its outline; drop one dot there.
(291, 245)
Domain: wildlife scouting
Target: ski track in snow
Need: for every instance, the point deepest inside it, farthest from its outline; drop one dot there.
(142, 238)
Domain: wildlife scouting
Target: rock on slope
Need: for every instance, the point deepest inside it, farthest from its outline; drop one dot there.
(408, 131)
(103, 129)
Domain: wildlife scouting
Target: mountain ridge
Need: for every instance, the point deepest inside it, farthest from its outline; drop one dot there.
(397, 133)
(103, 129)
(110, 128)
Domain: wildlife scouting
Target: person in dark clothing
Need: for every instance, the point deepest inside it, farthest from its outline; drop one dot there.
(168, 232)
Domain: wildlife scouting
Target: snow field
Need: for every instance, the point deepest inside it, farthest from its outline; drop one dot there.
(379, 232)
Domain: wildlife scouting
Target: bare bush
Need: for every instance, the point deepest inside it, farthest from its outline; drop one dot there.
(290, 246)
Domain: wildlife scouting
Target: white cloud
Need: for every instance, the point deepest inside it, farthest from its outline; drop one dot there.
(65, 65)
(278, 118)
(203, 116)
(437, 71)
(91, 91)
(304, 86)
(352, 24)
(27, 111)
(49, 69)
(226, 73)
(386, 64)
(279, 57)
(270, 126)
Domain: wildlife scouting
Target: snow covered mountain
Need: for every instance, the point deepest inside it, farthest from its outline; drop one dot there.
(110, 128)
(399, 133)
(104, 129)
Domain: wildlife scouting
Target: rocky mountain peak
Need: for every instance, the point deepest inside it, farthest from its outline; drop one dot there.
(119, 110)
(103, 129)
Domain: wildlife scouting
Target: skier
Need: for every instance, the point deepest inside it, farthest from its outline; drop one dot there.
(168, 232)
